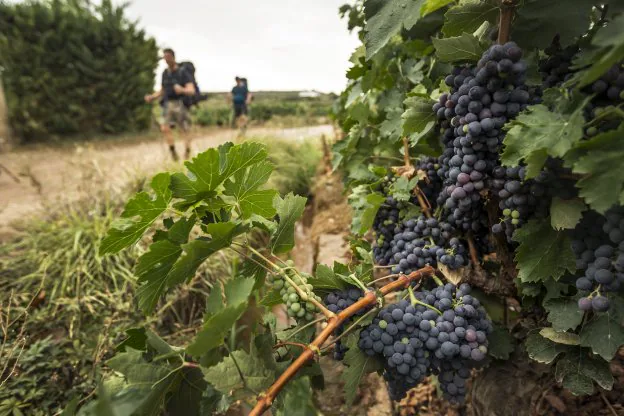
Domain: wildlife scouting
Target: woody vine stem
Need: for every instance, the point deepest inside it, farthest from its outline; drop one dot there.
(369, 299)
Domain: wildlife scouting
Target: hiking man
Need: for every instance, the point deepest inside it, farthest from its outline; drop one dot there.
(176, 83)
(240, 97)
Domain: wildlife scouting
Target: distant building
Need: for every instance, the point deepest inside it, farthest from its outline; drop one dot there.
(309, 94)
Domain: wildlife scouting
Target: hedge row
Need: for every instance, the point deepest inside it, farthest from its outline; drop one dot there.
(70, 67)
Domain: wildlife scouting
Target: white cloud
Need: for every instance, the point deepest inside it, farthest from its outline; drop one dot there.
(277, 44)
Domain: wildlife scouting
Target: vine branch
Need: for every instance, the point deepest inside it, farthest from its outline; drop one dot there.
(369, 299)
(504, 24)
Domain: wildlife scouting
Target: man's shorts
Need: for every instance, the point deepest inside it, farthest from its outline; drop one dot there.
(177, 113)
(240, 109)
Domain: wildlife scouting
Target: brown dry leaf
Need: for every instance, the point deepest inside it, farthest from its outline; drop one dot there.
(453, 276)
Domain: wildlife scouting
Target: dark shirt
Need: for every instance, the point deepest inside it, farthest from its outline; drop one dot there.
(170, 78)
(239, 94)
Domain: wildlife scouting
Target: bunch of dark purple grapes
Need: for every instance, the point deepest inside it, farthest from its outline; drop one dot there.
(387, 219)
(599, 248)
(431, 184)
(521, 199)
(443, 331)
(482, 100)
(336, 302)
(555, 68)
(608, 93)
(421, 241)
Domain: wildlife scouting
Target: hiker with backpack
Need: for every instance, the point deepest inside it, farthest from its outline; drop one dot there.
(178, 92)
(240, 97)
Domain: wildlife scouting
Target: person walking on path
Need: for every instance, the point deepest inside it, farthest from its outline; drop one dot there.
(240, 97)
(176, 83)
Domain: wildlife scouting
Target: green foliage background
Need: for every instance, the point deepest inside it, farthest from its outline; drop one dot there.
(69, 66)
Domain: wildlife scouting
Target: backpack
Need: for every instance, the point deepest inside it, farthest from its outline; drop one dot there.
(191, 100)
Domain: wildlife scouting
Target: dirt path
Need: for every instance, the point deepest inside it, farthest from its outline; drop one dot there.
(51, 175)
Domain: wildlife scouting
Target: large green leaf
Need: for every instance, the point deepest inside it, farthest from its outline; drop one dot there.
(607, 49)
(392, 127)
(463, 48)
(542, 252)
(358, 365)
(563, 313)
(538, 21)
(577, 371)
(209, 169)
(167, 264)
(468, 16)
(604, 333)
(566, 213)
(552, 133)
(243, 187)
(603, 182)
(123, 403)
(418, 116)
(543, 350)
(566, 338)
(241, 371)
(325, 279)
(140, 212)
(154, 380)
(219, 318)
(500, 343)
(297, 398)
(386, 18)
(289, 211)
(431, 6)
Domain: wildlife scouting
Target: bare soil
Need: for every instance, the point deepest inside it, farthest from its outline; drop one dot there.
(32, 178)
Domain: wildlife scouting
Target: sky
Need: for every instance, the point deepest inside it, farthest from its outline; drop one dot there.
(276, 44)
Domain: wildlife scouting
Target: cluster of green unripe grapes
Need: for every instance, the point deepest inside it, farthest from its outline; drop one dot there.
(297, 304)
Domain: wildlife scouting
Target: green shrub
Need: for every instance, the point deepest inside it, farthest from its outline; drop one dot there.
(71, 67)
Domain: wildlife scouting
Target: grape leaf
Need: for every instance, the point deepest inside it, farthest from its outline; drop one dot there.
(167, 264)
(154, 266)
(392, 126)
(237, 290)
(296, 399)
(565, 214)
(325, 279)
(468, 16)
(385, 19)
(538, 21)
(551, 133)
(155, 380)
(542, 252)
(209, 169)
(603, 181)
(402, 188)
(463, 48)
(358, 365)
(607, 49)
(567, 338)
(125, 402)
(140, 212)
(218, 321)
(500, 343)
(243, 186)
(431, 6)
(563, 313)
(604, 334)
(289, 211)
(577, 371)
(257, 374)
(543, 350)
(418, 116)
(364, 218)
(272, 298)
